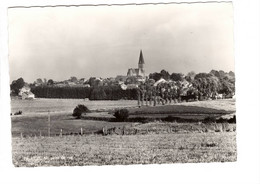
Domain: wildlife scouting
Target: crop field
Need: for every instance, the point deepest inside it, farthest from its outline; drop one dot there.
(116, 149)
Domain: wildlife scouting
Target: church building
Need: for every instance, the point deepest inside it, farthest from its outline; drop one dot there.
(140, 71)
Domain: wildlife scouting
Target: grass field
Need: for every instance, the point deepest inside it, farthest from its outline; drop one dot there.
(115, 149)
(36, 124)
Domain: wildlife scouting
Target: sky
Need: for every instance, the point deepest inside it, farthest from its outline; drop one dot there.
(104, 41)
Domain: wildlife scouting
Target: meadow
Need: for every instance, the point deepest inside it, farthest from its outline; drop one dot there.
(43, 105)
(127, 149)
(33, 123)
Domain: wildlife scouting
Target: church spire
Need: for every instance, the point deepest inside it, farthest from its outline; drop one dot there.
(141, 58)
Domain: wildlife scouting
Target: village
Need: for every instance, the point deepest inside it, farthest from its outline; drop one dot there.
(161, 87)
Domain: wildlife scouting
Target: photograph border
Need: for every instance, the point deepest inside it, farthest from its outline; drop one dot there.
(245, 170)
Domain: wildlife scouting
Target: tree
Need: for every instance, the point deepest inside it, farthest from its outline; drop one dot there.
(156, 76)
(121, 114)
(38, 82)
(191, 75)
(17, 85)
(79, 110)
(176, 76)
(50, 82)
(73, 79)
(98, 93)
(91, 81)
(165, 74)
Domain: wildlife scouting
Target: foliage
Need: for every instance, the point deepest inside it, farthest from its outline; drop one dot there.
(232, 120)
(121, 114)
(39, 81)
(18, 113)
(176, 76)
(50, 82)
(170, 118)
(79, 110)
(155, 76)
(17, 85)
(165, 74)
(93, 93)
(73, 79)
(209, 119)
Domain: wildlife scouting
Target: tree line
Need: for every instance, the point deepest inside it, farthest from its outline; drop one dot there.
(92, 93)
(202, 84)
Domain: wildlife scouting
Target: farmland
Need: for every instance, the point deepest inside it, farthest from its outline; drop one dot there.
(132, 142)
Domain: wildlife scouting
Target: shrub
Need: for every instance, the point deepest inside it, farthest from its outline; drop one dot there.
(232, 120)
(79, 110)
(221, 120)
(210, 119)
(18, 113)
(121, 114)
(171, 118)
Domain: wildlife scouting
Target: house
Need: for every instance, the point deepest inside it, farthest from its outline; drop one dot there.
(120, 78)
(25, 93)
(132, 86)
(123, 86)
(160, 81)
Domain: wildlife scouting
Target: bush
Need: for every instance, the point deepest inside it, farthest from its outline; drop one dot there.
(221, 120)
(171, 118)
(121, 114)
(232, 120)
(79, 110)
(210, 119)
(18, 113)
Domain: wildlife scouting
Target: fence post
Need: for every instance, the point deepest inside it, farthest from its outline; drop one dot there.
(105, 130)
(81, 131)
(123, 130)
(61, 132)
(49, 124)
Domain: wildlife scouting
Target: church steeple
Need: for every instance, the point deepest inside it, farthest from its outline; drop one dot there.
(141, 71)
(141, 58)
(141, 61)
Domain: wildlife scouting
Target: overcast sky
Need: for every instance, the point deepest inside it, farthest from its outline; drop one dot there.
(104, 41)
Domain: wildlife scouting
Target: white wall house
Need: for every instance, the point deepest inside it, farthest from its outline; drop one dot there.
(25, 93)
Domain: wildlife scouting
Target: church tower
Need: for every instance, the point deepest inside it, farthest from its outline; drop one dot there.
(140, 71)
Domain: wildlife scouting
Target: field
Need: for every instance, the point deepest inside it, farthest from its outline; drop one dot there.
(42, 106)
(127, 142)
(115, 149)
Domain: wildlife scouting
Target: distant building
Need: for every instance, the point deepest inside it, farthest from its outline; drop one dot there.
(120, 78)
(140, 71)
(25, 93)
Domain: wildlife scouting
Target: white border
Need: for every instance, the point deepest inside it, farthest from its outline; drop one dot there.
(245, 170)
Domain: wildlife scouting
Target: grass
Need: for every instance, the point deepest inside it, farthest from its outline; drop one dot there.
(176, 109)
(33, 125)
(115, 149)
